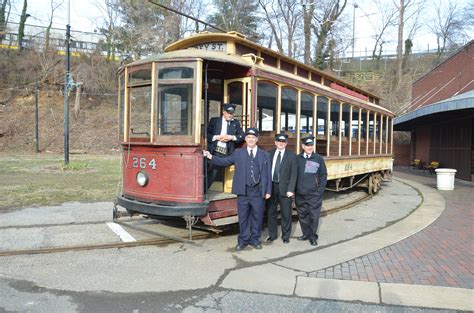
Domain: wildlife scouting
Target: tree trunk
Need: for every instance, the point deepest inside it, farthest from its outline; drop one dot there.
(2, 15)
(400, 42)
(307, 15)
(21, 28)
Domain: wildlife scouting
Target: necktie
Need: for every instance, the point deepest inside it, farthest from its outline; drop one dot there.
(276, 173)
(228, 127)
(251, 154)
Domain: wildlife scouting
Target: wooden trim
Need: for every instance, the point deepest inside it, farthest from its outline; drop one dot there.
(298, 120)
(359, 133)
(328, 121)
(350, 129)
(315, 116)
(197, 108)
(126, 108)
(381, 133)
(374, 139)
(367, 131)
(154, 75)
(339, 133)
(386, 134)
(277, 123)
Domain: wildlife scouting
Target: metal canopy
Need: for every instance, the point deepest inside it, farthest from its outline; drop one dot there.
(460, 105)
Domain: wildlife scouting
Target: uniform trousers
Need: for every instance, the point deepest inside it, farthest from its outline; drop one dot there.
(285, 211)
(251, 208)
(309, 210)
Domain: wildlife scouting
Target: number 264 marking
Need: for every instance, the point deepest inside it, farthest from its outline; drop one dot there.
(142, 163)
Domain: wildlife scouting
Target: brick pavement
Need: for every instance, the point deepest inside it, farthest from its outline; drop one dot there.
(442, 254)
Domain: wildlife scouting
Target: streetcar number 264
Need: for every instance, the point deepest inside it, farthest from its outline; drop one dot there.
(142, 163)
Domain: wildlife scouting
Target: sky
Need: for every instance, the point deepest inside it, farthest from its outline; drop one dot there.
(85, 14)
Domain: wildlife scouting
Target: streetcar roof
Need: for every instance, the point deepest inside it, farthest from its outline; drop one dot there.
(235, 37)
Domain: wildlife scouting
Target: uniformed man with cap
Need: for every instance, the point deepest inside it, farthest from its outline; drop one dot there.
(223, 133)
(310, 185)
(252, 184)
(284, 173)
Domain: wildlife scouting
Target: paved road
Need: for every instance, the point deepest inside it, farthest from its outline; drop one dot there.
(212, 277)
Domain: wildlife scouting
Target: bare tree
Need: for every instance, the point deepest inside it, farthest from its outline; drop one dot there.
(3, 12)
(323, 28)
(21, 27)
(54, 6)
(108, 25)
(308, 12)
(283, 17)
(448, 25)
(409, 12)
(381, 26)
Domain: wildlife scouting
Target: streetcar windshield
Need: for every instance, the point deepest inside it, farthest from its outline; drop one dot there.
(175, 100)
(157, 106)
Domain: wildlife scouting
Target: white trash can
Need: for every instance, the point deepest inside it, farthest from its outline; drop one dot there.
(445, 178)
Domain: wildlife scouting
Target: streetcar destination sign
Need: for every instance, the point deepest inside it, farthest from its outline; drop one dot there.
(212, 46)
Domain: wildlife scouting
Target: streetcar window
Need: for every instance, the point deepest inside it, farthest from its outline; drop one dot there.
(266, 106)
(288, 109)
(322, 115)
(345, 120)
(371, 126)
(307, 109)
(355, 124)
(140, 75)
(176, 73)
(334, 121)
(121, 105)
(363, 125)
(140, 105)
(175, 109)
(235, 96)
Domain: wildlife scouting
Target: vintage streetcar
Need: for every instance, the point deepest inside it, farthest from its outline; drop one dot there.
(166, 101)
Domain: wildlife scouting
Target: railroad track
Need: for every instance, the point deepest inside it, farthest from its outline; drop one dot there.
(162, 240)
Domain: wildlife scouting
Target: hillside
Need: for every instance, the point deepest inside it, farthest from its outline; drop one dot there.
(94, 131)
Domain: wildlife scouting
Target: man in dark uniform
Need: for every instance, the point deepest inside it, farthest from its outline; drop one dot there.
(284, 173)
(252, 184)
(223, 133)
(310, 185)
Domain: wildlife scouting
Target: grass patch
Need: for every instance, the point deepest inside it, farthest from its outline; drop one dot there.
(75, 166)
(45, 180)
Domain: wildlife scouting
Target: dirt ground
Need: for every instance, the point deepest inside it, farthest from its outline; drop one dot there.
(94, 131)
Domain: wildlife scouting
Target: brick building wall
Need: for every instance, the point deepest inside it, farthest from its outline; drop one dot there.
(454, 76)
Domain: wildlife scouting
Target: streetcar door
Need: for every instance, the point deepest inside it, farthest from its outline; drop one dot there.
(237, 91)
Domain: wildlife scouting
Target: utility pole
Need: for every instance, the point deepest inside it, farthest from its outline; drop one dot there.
(353, 27)
(36, 118)
(66, 85)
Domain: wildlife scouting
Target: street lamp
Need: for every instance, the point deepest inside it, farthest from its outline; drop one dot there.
(353, 27)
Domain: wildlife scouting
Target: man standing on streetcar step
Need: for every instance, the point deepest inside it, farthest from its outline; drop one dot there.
(252, 183)
(310, 185)
(284, 174)
(223, 133)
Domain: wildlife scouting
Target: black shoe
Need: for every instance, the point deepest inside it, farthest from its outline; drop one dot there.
(286, 241)
(257, 246)
(313, 241)
(302, 238)
(239, 247)
(270, 239)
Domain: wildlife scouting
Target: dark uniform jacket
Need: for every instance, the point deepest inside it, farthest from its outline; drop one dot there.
(239, 158)
(214, 128)
(312, 175)
(288, 171)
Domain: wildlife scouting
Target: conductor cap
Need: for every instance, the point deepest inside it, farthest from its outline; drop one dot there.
(308, 141)
(229, 108)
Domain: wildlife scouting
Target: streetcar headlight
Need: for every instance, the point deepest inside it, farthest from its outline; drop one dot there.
(142, 178)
